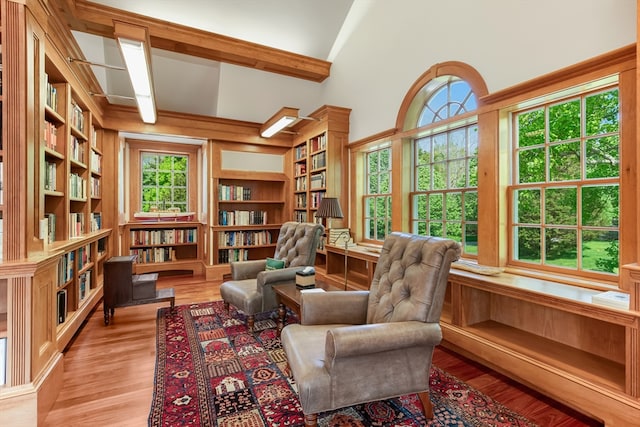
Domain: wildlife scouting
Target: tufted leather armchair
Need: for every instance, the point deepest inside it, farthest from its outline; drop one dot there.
(361, 346)
(250, 287)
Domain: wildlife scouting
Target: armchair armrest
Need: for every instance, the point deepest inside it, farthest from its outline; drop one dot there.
(279, 276)
(241, 270)
(323, 308)
(353, 341)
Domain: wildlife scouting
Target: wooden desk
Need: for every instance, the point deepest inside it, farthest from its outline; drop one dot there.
(289, 295)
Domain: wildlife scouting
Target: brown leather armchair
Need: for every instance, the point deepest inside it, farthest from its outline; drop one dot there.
(250, 287)
(361, 346)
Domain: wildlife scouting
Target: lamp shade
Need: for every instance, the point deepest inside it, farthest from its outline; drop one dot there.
(329, 208)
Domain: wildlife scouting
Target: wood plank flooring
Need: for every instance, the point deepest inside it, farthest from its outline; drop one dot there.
(109, 370)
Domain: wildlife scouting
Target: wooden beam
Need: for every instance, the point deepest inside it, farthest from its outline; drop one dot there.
(96, 19)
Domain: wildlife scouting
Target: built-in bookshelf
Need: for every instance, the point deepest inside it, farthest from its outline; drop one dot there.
(318, 155)
(250, 214)
(79, 282)
(164, 246)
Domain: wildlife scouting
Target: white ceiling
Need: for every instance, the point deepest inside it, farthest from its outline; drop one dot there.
(190, 84)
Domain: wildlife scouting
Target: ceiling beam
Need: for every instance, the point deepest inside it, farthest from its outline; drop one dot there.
(96, 19)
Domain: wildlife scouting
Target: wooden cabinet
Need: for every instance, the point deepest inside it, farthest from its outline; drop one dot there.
(164, 246)
(359, 263)
(319, 167)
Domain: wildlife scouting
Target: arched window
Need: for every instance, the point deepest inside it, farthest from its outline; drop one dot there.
(444, 188)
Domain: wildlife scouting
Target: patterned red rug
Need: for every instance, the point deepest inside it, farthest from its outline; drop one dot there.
(211, 372)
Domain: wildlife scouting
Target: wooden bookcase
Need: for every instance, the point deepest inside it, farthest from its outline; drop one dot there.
(250, 213)
(319, 167)
(164, 246)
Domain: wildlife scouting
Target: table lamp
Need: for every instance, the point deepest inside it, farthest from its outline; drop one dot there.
(330, 208)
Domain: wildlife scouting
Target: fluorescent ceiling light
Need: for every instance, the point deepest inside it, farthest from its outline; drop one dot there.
(134, 45)
(279, 121)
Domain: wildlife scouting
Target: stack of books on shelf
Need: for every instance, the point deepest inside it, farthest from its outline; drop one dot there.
(96, 162)
(95, 187)
(340, 237)
(319, 143)
(301, 151)
(318, 180)
(612, 299)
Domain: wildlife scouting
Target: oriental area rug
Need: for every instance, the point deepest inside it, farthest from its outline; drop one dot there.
(210, 371)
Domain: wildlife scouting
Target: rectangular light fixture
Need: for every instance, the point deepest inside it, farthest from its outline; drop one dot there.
(133, 41)
(283, 118)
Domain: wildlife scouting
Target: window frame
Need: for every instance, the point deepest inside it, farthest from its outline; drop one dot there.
(138, 147)
(578, 92)
(375, 196)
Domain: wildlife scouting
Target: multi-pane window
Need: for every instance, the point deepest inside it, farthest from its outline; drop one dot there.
(445, 170)
(164, 181)
(377, 198)
(565, 196)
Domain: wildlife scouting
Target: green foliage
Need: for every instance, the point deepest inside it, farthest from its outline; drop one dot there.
(164, 181)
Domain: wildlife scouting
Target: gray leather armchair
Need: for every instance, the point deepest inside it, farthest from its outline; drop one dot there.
(361, 346)
(250, 287)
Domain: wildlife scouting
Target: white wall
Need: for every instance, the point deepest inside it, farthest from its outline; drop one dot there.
(507, 41)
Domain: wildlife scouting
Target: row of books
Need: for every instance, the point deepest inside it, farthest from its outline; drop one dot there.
(84, 256)
(300, 216)
(50, 176)
(318, 180)
(95, 221)
(76, 149)
(77, 116)
(76, 224)
(231, 255)
(51, 97)
(65, 268)
(50, 135)
(242, 217)
(77, 186)
(301, 152)
(318, 143)
(316, 198)
(51, 227)
(319, 160)
(96, 162)
(62, 306)
(301, 169)
(301, 200)
(301, 183)
(163, 236)
(94, 187)
(1, 179)
(152, 255)
(244, 238)
(84, 285)
(233, 192)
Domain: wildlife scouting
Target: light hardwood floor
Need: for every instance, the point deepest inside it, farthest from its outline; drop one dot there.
(109, 370)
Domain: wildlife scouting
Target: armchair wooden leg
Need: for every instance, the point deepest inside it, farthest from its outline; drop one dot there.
(310, 420)
(426, 404)
(250, 322)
